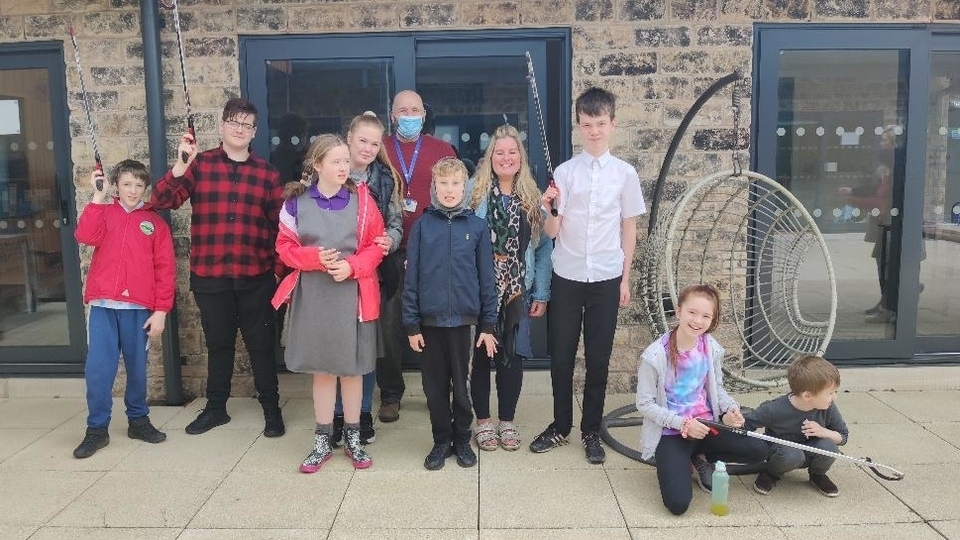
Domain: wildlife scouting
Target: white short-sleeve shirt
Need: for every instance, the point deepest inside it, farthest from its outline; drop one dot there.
(596, 194)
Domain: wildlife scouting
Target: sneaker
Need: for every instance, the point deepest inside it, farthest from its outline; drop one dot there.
(141, 428)
(320, 454)
(765, 483)
(548, 440)
(465, 454)
(389, 412)
(702, 473)
(593, 449)
(881, 316)
(95, 439)
(273, 422)
(824, 484)
(354, 450)
(367, 433)
(437, 456)
(207, 420)
(336, 438)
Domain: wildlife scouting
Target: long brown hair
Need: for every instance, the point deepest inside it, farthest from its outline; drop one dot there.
(705, 290)
(524, 186)
(370, 119)
(321, 145)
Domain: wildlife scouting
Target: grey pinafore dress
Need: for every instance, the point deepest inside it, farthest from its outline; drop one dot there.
(326, 335)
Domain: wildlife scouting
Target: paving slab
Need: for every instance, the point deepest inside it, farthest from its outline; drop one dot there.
(39, 412)
(33, 497)
(253, 534)
(929, 490)
(54, 451)
(796, 502)
(924, 405)
(253, 500)
(711, 532)
(913, 531)
(217, 450)
(547, 499)
(163, 499)
(89, 533)
(12, 440)
(948, 431)
(949, 529)
(444, 499)
(343, 533)
(16, 532)
(245, 413)
(555, 534)
(867, 408)
(898, 445)
(638, 495)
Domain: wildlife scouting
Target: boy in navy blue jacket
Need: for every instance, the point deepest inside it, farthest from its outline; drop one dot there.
(449, 286)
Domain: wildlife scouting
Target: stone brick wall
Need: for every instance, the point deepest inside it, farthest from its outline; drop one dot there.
(656, 55)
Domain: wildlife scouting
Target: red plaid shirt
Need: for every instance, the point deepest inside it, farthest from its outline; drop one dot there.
(236, 212)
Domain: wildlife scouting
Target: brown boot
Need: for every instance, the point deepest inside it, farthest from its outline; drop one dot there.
(389, 412)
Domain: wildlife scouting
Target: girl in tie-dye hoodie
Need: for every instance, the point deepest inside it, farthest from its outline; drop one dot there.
(680, 381)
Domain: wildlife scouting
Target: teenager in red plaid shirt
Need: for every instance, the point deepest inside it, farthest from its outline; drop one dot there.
(235, 196)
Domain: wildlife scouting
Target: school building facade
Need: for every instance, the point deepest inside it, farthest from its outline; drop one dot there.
(824, 80)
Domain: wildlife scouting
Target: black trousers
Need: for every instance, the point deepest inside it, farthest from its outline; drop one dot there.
(246, 308)
(592, 307)
(509, 381)
(674, 454)
(443, 366)
(390, 367)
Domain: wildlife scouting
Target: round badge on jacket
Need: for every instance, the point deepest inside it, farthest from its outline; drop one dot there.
(146, 228)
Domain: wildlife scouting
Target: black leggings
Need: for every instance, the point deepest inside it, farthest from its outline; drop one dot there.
(509, 382)
(673, 462)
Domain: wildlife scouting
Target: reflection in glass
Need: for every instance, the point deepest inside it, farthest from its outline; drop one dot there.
(938, 309)
(308, 97)
(32, 295)
(840, 150)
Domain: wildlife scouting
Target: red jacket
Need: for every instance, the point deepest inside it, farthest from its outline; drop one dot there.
(133, 257)
(364, 262)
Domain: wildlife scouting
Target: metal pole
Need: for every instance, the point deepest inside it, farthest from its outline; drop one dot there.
(157, 139)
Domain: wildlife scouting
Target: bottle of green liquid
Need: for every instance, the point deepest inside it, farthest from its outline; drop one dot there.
(720, 492)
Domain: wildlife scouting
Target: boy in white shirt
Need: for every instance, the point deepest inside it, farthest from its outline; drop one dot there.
(598, 199)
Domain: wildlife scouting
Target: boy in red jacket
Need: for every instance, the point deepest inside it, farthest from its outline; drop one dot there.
(130, 289)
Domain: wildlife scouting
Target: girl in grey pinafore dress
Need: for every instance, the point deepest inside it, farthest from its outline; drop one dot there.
(325, 333)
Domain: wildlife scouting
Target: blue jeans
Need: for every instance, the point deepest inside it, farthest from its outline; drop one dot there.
(366, 402)
(112, 332)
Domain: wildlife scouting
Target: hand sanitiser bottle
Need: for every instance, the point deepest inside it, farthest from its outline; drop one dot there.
(721, 486)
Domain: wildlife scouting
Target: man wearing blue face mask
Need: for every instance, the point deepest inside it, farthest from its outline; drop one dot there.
(413, 154)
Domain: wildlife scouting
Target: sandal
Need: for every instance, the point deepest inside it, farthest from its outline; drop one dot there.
(509, 436)
(486, 437)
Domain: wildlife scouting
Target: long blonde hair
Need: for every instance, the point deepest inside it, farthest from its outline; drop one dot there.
(322, 144)
(369, 119)
(524, 186)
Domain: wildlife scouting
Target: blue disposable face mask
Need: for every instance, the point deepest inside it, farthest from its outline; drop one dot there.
(409, 127)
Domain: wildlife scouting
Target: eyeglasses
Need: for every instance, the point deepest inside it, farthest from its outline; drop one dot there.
(233, 124)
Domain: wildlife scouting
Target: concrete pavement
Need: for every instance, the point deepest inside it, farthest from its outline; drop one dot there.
(234, 483)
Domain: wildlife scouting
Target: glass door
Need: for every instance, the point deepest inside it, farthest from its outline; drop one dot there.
(470, 81)
(41, 310)
(938, 307)
(835, 126)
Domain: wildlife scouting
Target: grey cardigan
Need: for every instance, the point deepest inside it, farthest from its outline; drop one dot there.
(652, 396)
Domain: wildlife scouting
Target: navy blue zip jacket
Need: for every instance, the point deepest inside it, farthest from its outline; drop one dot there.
(449, 280)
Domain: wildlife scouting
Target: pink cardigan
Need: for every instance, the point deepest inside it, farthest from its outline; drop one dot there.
(364, 262)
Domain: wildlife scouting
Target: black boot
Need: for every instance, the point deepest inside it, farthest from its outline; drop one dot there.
(336, 438)
(273, 422)
(95, 439)
(141, 428)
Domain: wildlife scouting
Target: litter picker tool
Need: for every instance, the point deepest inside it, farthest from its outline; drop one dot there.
(891, 473)
(86, 106)
(183, 75)
(532, 79)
